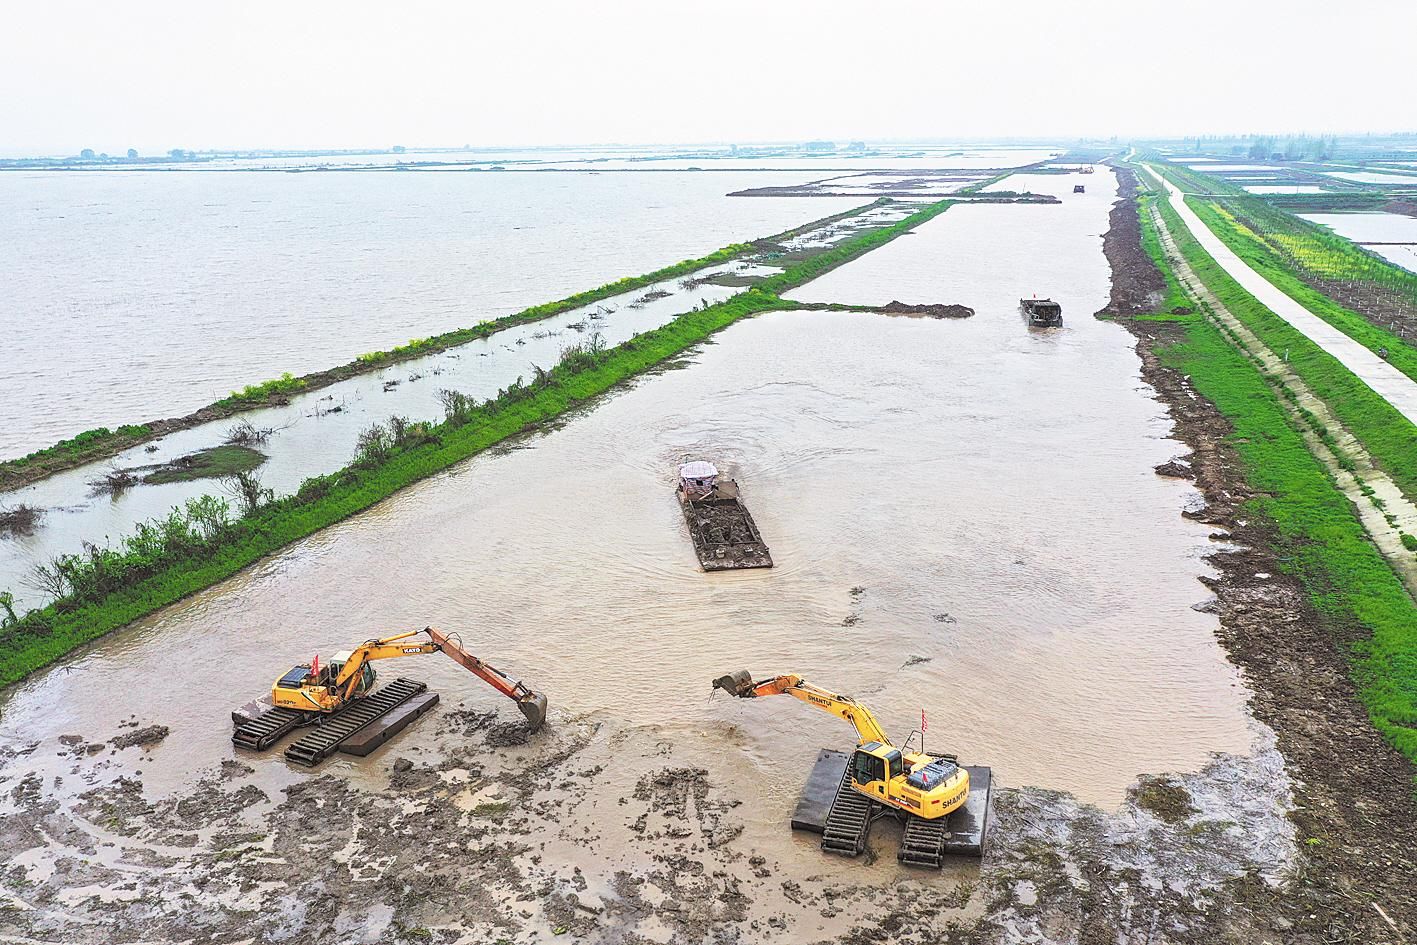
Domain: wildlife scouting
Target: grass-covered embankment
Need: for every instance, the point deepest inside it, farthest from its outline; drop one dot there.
(198, 546)
(1333, 256)
(1388, 436)
(1315, 530)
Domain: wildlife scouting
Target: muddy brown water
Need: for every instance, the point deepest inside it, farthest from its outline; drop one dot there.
(316, 432)
(986, 487)
(963, 515)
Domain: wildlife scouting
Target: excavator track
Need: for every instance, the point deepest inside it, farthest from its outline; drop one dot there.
(263, 732)
(923, 842)
(332, 731)
(849, 820)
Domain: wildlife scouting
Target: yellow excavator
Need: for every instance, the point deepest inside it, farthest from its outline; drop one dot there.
(339, 696)
(921, 785)
(349, 676)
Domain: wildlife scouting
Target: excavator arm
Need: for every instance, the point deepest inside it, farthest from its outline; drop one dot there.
(741, 684)
(383, 649)
(532, 704)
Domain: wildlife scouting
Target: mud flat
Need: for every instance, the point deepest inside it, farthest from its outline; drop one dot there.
(599, 832)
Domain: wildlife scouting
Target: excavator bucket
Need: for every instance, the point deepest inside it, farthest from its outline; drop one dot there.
(738, 684)
(534, 708)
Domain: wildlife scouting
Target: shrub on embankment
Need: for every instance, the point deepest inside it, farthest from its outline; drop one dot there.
(1318, 536)
(104, 589)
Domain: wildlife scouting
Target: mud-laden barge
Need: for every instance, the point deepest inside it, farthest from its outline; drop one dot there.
(724, 534)
(1041, 313)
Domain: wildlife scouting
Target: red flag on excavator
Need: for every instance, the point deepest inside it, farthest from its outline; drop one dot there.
(315, 667)
(923, 724)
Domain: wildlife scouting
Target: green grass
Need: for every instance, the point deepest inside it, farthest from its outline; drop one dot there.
(1387, 435)
(82, 444)
(1331, 257)
(287, 383)
(1176, 297)
(1318, 536)
(44, 635)
(210, 463)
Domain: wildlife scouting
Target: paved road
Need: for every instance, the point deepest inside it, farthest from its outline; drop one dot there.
(1390, 383)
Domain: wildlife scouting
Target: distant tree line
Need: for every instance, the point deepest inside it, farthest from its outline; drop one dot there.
(1294, 148)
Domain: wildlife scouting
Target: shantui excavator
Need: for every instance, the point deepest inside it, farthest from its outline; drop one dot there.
(922, 789)
(341, 699)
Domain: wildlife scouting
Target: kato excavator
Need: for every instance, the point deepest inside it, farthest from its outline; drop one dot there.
(914, 783)
(340, 697)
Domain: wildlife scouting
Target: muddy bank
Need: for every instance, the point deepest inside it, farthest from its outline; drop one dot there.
(603, 834)
(1354, 810)
(1137, 284)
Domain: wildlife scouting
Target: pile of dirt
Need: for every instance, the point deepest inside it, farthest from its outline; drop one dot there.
(141, 738)
(932, 310)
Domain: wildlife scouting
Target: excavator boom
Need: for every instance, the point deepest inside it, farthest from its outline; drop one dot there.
(304, 690)
(532, 704)
(923, 787)
(387, 648)
(741, 684)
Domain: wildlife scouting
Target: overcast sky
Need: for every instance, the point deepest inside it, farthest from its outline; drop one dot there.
(199, 74)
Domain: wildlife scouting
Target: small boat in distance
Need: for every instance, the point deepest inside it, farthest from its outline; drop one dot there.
(1042, 313)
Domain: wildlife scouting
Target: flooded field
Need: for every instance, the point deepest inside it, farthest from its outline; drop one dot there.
(1396, 230)
(1368, 177)
(163, 292)
(964, 519)
(884, 493)
(317, 432)
(1284, 189)
(1059, 646)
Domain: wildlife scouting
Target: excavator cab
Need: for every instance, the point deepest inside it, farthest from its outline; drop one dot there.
(312, 690)
(367, 675)
(874, 766)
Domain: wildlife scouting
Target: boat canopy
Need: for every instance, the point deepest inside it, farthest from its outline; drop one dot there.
(698, 469)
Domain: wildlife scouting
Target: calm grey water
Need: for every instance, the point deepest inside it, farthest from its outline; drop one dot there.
(1376, 228)
(133, 295)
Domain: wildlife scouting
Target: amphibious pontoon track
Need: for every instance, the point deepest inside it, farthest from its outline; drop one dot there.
(923, 842)
(849, 820)
(331, 730)
(270, 727)
(327, 736)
